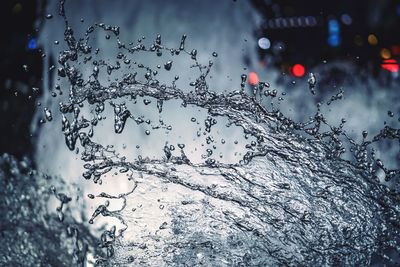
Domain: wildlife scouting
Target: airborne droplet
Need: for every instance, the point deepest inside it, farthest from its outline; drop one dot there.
(168, 65)
(243, 83)
(48, 114)
(312, 81)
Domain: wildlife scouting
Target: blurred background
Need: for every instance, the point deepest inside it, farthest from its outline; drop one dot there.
(349, 45)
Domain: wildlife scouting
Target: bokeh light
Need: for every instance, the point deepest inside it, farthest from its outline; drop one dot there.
(32, 44)
(253, 78)
(298, 70)
(385, 53)
(264, 43)
(390, 65)
(372, 40)
(346, 19)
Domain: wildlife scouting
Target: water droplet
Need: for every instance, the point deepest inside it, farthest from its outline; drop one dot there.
(193, 54)
(243, 83)
(48, 114)
(182, 45)
(312, 81)
(168, 65)
(181, 146)
(121, 114)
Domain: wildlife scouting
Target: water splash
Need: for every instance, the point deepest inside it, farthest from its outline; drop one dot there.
(33, 232)
(317, 210)
(292, 199)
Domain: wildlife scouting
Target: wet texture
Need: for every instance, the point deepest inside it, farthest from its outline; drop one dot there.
(33, 233)
(291, 199)
(275, 215)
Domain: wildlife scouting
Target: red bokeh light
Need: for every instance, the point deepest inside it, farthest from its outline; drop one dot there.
(253, 78)
(390, 65)
(298, 70)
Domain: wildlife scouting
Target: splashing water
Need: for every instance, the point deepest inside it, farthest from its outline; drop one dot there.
(32, 233)
(288, 196)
